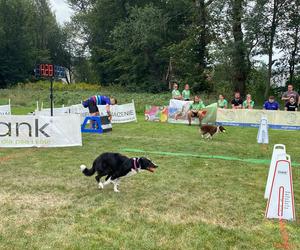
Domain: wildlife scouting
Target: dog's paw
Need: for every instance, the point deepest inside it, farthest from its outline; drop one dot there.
(82, 168)
(116, 190)
(100, 185)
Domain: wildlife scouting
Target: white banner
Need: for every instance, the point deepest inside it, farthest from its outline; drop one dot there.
(40, 131)
(287, 120)
(120, 113)
(79, 110)
(56, 111)
(5, 110)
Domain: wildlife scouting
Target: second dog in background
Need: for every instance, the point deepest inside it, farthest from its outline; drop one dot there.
(208, 131)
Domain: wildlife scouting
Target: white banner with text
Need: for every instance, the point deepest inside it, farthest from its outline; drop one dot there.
(40, 131)
(120, 113)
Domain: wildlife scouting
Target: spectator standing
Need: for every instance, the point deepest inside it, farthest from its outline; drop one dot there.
(248, 103)
(237, 101)
(176, 93)
(186, 93)
(290, 93)
(271, 104)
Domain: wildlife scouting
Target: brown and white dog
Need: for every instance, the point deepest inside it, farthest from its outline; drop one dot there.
(208, 131)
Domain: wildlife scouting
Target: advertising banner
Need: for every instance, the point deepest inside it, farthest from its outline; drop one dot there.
(120, 113)
(40, 131)
(178, 112)
(277, 119)
(156, 113)
(56, 111)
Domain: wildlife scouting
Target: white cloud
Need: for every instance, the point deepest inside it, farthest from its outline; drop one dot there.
(61, 9)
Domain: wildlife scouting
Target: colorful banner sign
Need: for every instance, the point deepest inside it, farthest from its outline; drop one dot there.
(178, 112)
(156, 113)
(40, 131)
(287, 120)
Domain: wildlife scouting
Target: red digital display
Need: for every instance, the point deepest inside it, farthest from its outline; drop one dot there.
(46, 70)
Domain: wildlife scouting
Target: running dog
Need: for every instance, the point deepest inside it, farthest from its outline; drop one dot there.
(208, 131)
(115, 166)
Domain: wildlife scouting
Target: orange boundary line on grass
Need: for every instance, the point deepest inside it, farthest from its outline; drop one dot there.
(284, 236)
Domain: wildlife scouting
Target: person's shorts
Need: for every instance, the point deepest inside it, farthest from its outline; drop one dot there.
(93, 108)
(194, 114)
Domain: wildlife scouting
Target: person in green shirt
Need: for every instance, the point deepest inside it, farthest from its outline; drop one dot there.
(222, 102)
(195, 110)
(176, 93)
(248, 103)
(186, 93)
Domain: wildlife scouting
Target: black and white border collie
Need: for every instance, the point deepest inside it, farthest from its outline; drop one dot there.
(208, 131)
(114, 166)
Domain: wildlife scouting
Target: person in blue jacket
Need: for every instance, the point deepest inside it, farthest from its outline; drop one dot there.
(271, 104)
(92, 102)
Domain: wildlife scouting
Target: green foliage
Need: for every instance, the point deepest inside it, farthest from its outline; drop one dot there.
(137, 44)
(29, 34)
(256, 83)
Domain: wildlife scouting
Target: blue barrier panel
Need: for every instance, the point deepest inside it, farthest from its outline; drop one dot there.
(96, 125)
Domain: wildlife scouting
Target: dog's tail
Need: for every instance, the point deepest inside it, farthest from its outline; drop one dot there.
(86, 171)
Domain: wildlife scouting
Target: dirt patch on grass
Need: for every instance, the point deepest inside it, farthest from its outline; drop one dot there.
(24, 209)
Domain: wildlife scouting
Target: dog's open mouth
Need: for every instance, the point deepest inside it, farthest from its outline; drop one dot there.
(151, 169)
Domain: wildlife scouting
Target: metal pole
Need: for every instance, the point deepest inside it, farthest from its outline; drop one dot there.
(51, 95)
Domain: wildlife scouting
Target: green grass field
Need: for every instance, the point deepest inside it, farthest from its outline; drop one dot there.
(190, 202)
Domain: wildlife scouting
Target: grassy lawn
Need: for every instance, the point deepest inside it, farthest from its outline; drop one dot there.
(188, 203)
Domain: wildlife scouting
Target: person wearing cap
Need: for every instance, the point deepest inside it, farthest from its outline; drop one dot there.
(271, 104)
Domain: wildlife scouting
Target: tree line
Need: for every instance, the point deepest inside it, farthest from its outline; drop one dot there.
(146, 45)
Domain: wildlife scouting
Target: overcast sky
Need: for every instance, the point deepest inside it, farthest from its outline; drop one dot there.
(61, 10)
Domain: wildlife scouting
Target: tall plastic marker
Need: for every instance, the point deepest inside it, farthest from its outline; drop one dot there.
(281, 200)
(262, 135)
(279, 153)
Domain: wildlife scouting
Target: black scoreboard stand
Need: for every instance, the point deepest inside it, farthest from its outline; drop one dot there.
(49, 71)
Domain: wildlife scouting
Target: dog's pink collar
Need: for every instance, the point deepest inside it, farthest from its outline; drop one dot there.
(136, 164)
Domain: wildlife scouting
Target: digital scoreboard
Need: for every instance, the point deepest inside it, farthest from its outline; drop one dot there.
(49, 70)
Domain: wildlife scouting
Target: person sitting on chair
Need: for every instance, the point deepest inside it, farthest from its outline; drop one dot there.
(195, 110)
